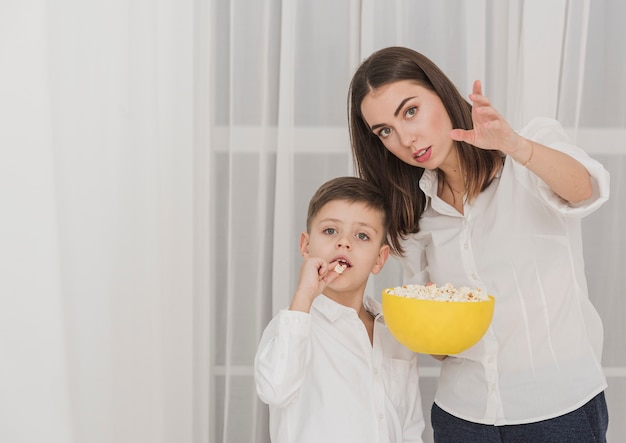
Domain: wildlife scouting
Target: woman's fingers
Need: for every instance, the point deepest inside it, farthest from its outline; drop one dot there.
(462, 135)
(477, 88)
(477, 98)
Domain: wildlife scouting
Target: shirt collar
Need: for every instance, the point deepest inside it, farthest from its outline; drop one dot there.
(373, 306)
(430, 180)
(429, 183)
(333, 310)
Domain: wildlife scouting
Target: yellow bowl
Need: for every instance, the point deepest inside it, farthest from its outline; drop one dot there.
(436, 327)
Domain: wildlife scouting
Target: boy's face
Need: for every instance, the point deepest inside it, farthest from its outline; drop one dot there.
(351, 233)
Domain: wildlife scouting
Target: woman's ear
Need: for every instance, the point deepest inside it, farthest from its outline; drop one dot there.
(304, 244)
(383, 255)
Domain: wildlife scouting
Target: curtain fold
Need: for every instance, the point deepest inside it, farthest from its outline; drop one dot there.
(97, 146)
(282, 252)
(34, 374)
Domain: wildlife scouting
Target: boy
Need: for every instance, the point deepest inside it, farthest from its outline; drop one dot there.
(327, 366)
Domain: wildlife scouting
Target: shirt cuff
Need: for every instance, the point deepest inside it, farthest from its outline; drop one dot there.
(294, 323)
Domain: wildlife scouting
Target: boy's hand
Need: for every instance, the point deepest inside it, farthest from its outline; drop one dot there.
(315, 275)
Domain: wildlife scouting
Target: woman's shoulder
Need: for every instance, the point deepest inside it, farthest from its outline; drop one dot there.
(543, 127)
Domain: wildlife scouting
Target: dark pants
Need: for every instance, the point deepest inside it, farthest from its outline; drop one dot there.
(587, 424)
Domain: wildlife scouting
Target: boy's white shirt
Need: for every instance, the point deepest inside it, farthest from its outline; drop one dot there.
(325, 381)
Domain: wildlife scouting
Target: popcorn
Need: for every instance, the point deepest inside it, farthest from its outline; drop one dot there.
(446, 292)
(339, 268)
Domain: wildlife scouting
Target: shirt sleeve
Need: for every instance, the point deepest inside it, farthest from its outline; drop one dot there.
(282, 356)
(550, 133)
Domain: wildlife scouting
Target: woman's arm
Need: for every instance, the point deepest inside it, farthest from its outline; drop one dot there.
(566, 176)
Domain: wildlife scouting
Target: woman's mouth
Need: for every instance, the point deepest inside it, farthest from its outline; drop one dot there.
(422, 155)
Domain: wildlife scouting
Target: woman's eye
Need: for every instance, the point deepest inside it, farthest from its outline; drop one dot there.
(329, 231)
(384, 133)
(411, 112)
(363, 236)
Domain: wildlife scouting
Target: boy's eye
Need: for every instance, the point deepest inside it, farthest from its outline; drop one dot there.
(329, 231)
(411, 112)
(363, 236)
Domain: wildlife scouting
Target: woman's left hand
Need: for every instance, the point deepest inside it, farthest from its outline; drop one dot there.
(491, 131)
(566, 176)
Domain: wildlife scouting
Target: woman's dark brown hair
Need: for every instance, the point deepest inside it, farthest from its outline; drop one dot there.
(399, 181)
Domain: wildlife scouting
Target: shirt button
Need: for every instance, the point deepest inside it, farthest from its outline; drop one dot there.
(474, 276)
(381, 416)
(466, 246)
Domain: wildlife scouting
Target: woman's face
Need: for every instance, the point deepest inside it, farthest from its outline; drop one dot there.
(412, 123)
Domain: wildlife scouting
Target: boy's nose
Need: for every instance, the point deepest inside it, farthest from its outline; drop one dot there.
(344, 241)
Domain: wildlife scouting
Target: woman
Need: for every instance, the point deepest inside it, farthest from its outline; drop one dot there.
(475, 203)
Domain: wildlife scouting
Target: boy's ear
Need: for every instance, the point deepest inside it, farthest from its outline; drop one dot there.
(383, 255)
(304, 244)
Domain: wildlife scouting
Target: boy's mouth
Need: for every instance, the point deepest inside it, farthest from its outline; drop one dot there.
(341, 264)
(342, 261)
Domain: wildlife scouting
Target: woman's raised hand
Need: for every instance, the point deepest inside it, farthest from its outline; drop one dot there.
(491, 130)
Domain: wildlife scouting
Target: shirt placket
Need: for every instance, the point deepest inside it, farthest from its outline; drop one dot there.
(490, 361)
(465, 237)
(378, 387)
(490, 364)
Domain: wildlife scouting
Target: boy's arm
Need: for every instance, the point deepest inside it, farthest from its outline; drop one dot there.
(285, 348)
(282, 357)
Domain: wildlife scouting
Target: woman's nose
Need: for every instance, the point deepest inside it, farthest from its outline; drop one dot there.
(407, 138)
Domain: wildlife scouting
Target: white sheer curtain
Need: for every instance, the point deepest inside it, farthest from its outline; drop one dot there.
(157, 161)
(96, 314)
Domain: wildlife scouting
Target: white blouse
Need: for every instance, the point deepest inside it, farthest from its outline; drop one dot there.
(521, 243)
(325, 382)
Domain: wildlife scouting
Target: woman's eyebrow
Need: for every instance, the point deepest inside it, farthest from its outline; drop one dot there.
(402, 103)
(395, 114)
